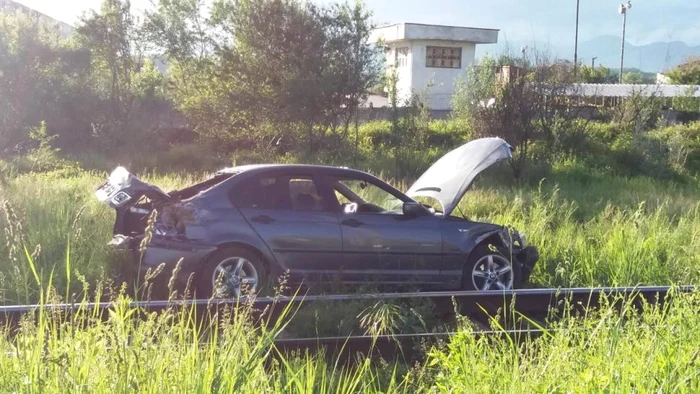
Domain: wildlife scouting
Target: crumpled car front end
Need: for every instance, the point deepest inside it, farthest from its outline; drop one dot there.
(523, 254)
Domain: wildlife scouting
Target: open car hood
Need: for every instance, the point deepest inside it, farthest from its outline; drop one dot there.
(449, 178)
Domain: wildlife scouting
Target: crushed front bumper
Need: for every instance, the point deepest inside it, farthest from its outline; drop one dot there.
(527, 258)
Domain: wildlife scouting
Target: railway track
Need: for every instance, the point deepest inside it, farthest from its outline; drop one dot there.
(534, 305)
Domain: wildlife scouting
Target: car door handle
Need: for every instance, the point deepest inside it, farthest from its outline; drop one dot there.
(352, 223)
(264, 219)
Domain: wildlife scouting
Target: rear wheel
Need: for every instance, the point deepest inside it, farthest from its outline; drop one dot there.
(231, 272)
(489, 269)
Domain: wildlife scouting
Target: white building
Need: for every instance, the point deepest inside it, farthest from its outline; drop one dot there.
(430, 54)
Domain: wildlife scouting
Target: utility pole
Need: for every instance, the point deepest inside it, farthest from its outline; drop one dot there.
(623, 10)
(576, 40)
(593, 61)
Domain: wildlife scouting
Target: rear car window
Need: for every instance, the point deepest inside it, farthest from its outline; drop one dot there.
(261, 193)
(298, 193)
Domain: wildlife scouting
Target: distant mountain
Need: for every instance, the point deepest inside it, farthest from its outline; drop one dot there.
(654, 57)
(64, 29)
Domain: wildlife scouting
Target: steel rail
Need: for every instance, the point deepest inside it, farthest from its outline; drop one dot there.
(535, 303)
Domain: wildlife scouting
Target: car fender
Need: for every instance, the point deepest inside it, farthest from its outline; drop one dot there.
(459, 240)
(211, 220)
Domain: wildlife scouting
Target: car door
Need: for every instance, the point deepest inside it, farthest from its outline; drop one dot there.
(295, 221)
(379, 241)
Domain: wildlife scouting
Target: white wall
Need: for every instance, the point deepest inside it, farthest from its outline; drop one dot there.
(415, 76)
(443, 79)
(404, 73)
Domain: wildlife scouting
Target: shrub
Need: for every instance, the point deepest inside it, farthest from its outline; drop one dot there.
(683, 143)
(192, 157)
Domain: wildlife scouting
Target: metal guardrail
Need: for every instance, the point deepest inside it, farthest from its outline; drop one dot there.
(529, 302)
(535, 304)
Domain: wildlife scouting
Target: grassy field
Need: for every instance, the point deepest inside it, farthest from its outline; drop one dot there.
(657, 351)
(591, 229)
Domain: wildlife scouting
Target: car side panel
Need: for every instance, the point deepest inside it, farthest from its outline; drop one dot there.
(217, 222)
(459, 239)
(393, 249)
(308, 244)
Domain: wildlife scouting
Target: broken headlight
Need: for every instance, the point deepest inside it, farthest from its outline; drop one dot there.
(523, 240)
(120, 198)
(513, 238)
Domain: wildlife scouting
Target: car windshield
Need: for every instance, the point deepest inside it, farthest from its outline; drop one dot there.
(362, 192)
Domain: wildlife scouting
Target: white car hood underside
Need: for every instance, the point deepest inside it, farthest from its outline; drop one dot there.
(449, 178)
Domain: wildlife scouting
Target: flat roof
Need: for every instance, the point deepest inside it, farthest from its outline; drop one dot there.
(628, 90)
(419, 31)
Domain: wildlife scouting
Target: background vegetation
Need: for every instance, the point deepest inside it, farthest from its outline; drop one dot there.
(610, 199)
(280, 80)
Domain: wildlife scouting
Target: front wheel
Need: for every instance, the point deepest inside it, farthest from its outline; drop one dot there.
(232, 272)
(489, 269)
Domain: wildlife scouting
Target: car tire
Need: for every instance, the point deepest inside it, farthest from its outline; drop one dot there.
(252, 275)
(486, 270)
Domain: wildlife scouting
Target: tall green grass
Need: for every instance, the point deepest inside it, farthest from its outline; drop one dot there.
(607, 351)
(591, 228)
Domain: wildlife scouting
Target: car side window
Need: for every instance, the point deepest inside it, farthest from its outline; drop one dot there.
(304, 195)
(260, 193)
(370, 197)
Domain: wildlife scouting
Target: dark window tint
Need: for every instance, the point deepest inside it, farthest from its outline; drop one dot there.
(304, 195)
(296, 193)
(262, 193)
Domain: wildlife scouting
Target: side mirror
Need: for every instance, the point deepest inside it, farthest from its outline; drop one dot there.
(412, 208)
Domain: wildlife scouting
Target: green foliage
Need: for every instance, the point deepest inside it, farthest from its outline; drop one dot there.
(638, 113)
(588, 74)
(687, 102)
(378, 144)
(652, 346)
(44, 157)
(519, 104)
(93, 90)
(687, 73)
(605, 351)
(37, 72)
(294, 67)
(683, 145)
(479, 85)
(633, 78)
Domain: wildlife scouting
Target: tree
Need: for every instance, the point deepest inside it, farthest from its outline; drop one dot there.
(520, 104)
(635, 78)
(267, 70)
(687, 73)
(40, 80)
(348, 30)
(124, 77)
(110, 36)
(588, 74)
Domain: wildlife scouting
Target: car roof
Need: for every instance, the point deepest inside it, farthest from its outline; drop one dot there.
(292, 167)
(260, 169)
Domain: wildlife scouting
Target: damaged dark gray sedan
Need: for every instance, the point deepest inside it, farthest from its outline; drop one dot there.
(245, 226)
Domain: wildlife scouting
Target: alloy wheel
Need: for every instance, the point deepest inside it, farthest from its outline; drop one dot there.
(234, 276)
(492, 272)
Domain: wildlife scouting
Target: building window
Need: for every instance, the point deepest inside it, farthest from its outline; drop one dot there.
(401, 57)
(443, 57)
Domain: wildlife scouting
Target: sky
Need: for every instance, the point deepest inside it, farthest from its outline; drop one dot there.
(548, 21)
